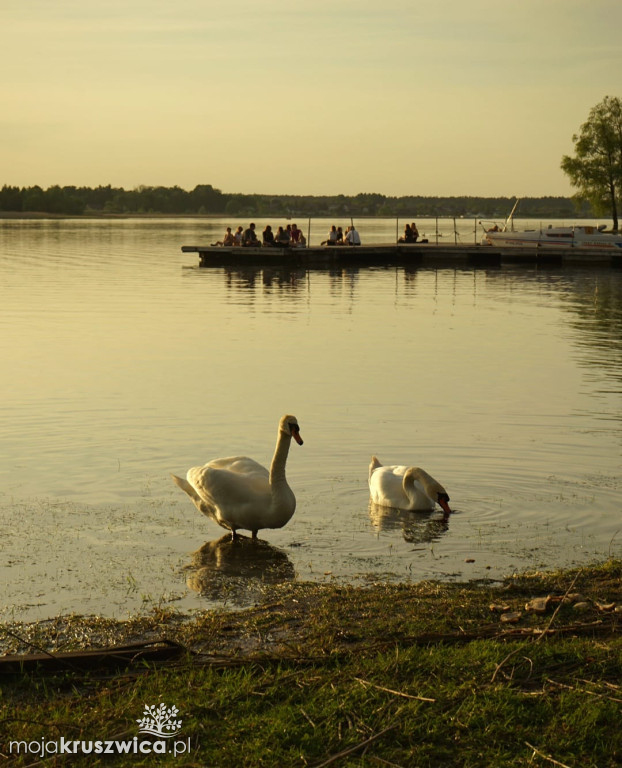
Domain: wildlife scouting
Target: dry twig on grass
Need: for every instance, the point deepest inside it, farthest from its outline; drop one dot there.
(561, 602)
(546, 757)
(333, 758)
(395, 693)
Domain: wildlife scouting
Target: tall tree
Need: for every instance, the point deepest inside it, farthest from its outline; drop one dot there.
(596, 168)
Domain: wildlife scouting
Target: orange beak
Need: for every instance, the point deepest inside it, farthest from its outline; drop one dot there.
(442, 499)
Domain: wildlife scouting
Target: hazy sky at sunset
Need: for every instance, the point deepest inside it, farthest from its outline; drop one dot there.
(424, 97)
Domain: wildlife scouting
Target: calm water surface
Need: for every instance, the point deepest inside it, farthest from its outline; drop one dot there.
(122, 362)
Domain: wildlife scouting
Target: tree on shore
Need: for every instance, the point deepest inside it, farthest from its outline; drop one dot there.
(596, 168)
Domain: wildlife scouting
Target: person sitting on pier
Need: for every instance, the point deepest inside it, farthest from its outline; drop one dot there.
(238, 236)
(339, 240)
(332, 237)
(268, 236)
(352, 236)
(295, 234)
(282, 238)
(228, 239)
(415, 231)
(409, 236)
(250, 237)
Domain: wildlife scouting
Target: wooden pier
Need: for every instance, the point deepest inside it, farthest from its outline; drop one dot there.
(382, 255)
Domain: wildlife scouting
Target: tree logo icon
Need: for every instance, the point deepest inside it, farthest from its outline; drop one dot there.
(160, 721)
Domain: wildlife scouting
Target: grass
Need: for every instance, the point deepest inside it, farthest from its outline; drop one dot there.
(423, 675)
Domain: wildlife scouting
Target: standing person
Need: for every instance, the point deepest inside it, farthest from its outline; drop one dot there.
(250, 236)
(352, 236)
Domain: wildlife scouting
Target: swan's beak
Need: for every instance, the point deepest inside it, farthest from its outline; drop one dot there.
(442, 499)
(296, 436)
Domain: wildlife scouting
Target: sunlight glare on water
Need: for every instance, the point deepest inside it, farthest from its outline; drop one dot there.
(123, 362)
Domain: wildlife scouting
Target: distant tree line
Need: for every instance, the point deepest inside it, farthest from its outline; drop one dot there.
(206, 200)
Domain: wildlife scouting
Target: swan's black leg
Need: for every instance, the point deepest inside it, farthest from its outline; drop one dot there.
(254, 534)
(234, 534)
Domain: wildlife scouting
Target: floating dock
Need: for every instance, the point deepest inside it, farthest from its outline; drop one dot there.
(382, 255)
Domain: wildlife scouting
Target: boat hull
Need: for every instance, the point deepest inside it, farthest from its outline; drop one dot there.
(586, 238)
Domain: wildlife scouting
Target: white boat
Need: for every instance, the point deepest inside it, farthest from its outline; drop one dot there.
(581, 236)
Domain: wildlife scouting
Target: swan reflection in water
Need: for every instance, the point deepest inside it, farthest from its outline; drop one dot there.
(237, 569)
(416, 527)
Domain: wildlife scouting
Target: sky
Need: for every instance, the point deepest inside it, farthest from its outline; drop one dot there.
(318, 97)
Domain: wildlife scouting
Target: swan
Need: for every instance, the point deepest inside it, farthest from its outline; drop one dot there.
(405, 488)
(237, 492)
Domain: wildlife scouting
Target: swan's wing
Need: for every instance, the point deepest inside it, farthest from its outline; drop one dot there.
(242, 465)
(385, 486)
(237, 484)
(201, 504)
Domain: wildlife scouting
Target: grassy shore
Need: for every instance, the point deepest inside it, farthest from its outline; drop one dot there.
(425, 675)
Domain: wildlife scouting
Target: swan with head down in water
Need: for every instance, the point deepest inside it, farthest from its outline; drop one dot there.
(401, 487)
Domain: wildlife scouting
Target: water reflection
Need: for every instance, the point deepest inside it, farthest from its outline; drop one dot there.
(294, 279)
(242, 283)
(416, 527)
(345, 286)
(237, 569)
(596, 306)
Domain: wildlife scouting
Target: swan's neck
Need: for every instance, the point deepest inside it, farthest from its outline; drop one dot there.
(277, 468)
(408, 484)
(419, 483)
(414, 483)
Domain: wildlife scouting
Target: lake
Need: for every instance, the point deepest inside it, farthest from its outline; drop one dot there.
(123, 362)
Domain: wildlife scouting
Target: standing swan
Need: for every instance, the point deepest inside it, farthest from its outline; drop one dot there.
(237, 492)
(405, 488)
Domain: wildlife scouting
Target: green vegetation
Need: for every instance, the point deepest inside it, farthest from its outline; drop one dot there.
(205, 200)
(424, 675)
(596, 168)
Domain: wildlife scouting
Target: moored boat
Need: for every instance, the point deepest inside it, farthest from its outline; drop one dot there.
(580, 236)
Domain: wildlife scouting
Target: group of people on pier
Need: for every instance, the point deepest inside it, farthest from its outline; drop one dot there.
(284, 237)
(411, 234)
(290, 236)
(336, 236)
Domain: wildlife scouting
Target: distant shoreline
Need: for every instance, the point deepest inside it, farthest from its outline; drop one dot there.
(33, 215)
(206, 201)
(95, 215)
